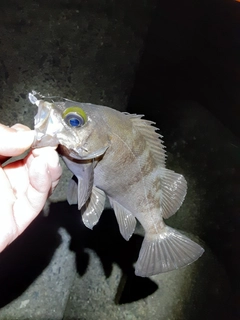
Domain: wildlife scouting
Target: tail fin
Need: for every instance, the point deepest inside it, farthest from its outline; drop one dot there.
(166, 251)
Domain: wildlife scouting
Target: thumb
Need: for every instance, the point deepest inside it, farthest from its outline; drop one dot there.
(15, 140)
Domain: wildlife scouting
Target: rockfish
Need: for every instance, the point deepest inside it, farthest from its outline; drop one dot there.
(121, 156)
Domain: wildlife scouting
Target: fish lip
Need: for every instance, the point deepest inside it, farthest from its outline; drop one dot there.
(44, 113)
(74, 153)
(43, 140)
(38, 122)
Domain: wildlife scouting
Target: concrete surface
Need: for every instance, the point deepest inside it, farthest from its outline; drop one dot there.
(90, 51)
(39, 283)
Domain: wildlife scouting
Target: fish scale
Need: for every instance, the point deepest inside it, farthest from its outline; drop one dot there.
(122, 157)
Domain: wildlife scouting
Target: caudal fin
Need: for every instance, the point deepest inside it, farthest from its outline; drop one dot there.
(166, 251)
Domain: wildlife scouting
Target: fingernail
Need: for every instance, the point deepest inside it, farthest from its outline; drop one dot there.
(20, 127)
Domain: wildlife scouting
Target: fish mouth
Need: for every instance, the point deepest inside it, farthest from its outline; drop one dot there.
(46, 124)
(83, 154)
(44, 140)
(74, 154)
(45, 134)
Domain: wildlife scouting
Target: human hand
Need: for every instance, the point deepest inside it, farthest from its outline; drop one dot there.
(25, 184)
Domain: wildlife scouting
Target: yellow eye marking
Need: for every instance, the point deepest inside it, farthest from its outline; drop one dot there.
(74, 116)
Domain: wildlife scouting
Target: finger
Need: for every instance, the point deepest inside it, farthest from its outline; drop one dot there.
(20, 127)
(28, 205)
(50, 156)
(14, 141)
(44, 172)
(21, 200)
(17, 173)
(8, 228)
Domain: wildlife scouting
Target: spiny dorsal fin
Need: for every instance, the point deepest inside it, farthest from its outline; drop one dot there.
(153, 138)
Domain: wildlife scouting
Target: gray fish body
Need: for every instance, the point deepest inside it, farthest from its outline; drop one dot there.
(121, 156)
(127, 168)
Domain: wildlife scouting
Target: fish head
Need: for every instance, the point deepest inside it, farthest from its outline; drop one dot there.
(76, 126)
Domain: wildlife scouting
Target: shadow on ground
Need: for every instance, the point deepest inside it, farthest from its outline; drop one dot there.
(24, 260)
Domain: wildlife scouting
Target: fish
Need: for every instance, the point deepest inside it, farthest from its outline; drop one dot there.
(120, 156)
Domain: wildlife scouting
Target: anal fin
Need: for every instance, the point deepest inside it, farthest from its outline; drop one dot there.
(166, 251)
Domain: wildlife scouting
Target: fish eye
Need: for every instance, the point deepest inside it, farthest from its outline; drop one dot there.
(74, 117)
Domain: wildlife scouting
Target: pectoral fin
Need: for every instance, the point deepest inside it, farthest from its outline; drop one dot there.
(174, 189)
(79, 192)
(93, 208)
(84, 173)
(125, 219)
(72, 191)
(84, 191)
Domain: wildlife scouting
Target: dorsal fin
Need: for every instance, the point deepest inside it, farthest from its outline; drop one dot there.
(153, 138)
